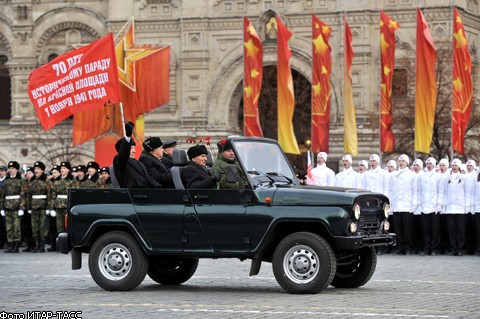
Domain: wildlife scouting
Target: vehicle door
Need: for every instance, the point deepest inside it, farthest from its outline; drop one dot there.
(221, 215)
(160, 212)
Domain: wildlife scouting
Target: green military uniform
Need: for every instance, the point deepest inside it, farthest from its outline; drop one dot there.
(12, 204)
(58, 199)
(232, 176)
(37, 196)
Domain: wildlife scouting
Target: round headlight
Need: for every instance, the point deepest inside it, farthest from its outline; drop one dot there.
(356, 211)
(386, 226)
(353, 228)
(386, 210)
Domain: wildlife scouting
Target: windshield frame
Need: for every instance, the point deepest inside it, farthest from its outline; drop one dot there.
(264, 144)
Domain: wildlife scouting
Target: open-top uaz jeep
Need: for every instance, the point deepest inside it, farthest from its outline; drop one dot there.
(313, 236)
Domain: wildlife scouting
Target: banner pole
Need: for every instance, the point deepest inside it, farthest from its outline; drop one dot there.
(123, 119)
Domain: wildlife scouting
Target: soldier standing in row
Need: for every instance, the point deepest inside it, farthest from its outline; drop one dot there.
(27, 234)
(105, 175)
(81, 176)
(36, 197)
(51, 213)
(3, 230)
(13, 205)
(93, 178)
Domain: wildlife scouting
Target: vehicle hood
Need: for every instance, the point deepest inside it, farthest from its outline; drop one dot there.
(308, 195)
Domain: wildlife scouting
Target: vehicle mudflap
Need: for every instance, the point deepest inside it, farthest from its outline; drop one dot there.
(255, 266)
(76, 258)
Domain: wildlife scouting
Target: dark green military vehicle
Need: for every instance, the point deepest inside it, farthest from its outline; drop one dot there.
(313, 236)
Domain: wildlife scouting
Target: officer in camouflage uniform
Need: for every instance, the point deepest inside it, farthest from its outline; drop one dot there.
(93, 178)
(105, 175)
(37, 198)
(226, 164)
(58, 202)
(54, 177)
(27, 234)
(12, 205)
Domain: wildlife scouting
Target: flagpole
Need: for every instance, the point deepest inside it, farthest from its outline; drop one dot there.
(451, 95)
(123, 119)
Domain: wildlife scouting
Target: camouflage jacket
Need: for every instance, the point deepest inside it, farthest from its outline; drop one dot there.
(13, 194)
(59, 192)
(94, 182)
(37, 193)
(232, 176)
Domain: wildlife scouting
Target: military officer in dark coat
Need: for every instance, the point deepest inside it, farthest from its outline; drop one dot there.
(167, 158)
(195, 174)
(151, 157)
(129, 172)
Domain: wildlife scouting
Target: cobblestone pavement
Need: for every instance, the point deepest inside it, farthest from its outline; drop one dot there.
(39, 285)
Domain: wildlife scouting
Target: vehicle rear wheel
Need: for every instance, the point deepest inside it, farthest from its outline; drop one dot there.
(172, 270)
(304, 263)
(117, 262)
(356, 269)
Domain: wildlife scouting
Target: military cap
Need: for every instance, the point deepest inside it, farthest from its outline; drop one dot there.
(224, 145)
(29, 169)
(93, 165)
(13, 164)
(105, 169)
(82, 168)
(55, 168)
(74, 169)
(169, 143)
(66, 164)
(3, 168)
(39, 165)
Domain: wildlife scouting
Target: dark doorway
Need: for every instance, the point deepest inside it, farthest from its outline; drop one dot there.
(5, 90)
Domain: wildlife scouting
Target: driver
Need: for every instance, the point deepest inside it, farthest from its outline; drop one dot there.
(227, 166)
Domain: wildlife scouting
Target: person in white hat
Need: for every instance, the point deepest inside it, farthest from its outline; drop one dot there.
(432, 193)
(417, 168)
(404, 201)
(455, 209)
(348, 177)
(444, 171)
(362, 166)
(471, 180)
(476, 208)
(391, 166)
(322, 174)
(375, 178)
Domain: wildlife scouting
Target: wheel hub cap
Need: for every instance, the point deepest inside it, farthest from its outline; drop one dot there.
(301, 264)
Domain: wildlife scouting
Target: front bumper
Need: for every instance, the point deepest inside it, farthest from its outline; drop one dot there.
(366, 240)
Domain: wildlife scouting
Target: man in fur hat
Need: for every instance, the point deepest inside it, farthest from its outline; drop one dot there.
(195, 174)
(227, 166)
(151, 157)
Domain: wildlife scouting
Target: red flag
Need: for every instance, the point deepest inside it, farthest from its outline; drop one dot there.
(144, 76)
(426, 86)
(286, 99)
(321, 91)
(387, 47)
(462, 90)
(252, 83)
(349, 120)
(309, 169)
(80, 80)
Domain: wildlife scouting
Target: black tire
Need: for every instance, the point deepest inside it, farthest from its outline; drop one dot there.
(117, 262)
(172, 270)
(304, 263)
(356, 270)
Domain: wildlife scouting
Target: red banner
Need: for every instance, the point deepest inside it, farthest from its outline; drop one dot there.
(321, 91)
(387, 47)
(252, 83)
(462, 91)
(76, 81)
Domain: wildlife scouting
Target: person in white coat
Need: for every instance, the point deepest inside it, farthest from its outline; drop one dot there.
(322, 175)
(477, 210)
(417, 168)
(432, 195)
(455, 208)
(470, 232)
(444, 171)
(376, 178)
(348, 177)
(403, 198)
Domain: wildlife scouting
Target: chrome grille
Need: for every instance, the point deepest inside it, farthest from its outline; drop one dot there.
(369, 216)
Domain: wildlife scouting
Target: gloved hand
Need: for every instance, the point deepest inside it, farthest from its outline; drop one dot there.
(47, 212)
(2, 212)
(216, 177)
(29, 211)
(20, 212)
(53, 213)
(129, 129)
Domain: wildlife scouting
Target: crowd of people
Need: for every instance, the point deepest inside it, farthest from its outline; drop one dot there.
(33, 204)
(435, 207)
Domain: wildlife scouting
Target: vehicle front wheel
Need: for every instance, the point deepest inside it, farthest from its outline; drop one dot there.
(304, 263)
(117, 262)
(172, 270)
(356, 269)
